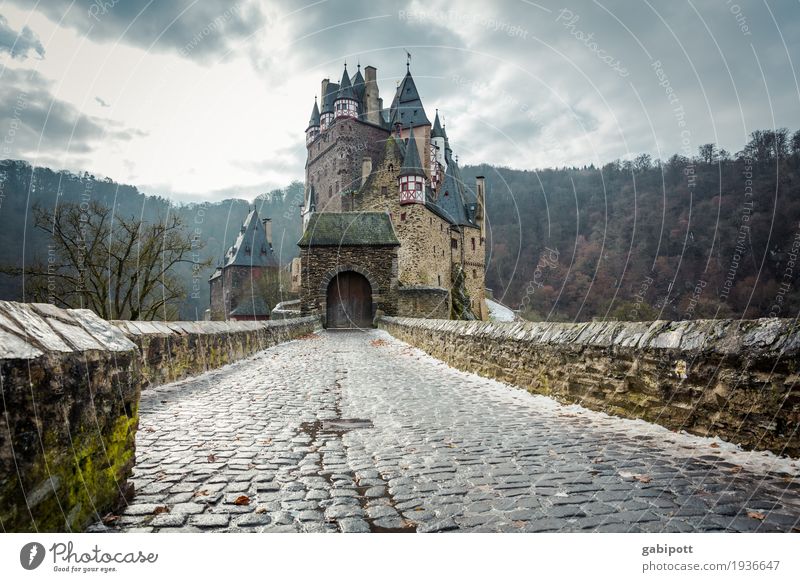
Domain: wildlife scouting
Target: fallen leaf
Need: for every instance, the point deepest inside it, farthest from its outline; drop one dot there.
(597, 460)
(378, 342)
(211, 458)
(200, 493)
(643, 478)
(756, 515)
(242, 500)
(161, 509)
(519, 523)
(714, 445)
(261, 510)
(110, 518)
(735, 469)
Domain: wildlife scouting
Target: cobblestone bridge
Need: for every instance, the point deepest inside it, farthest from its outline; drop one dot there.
(359, 432)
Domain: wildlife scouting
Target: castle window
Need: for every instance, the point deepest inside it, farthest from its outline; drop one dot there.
(473, 243)
(403, 217)
(384, 190)
(440, 280)
(474, 273)
(446, 193)
(434, 250)
(453, 243)
(391, 167)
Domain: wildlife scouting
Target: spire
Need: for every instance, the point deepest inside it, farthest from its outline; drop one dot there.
(345, 87)
(314, 121)
(407, 106)
(411, 164)
(437, 130)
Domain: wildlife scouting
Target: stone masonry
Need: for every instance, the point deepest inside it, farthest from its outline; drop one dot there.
(734, 379)
(377, 436)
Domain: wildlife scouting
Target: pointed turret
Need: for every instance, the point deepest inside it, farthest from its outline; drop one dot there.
(359, 87)
(407, 108)
(437, 130)
(314, 121)
(346, 103)
(411, 179)
(438, 138)
(312, 131)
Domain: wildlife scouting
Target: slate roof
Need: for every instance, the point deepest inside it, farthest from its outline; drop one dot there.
(437, 130)
(328, 229)
(251, 248)
(314, 121)
(407, 106)
(411, 163)
(346, 88)
(359, 85)
(454, 197)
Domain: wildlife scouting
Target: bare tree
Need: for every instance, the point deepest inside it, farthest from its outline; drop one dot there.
(120, 268)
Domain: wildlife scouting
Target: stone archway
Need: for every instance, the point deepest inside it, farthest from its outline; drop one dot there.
(348, 300)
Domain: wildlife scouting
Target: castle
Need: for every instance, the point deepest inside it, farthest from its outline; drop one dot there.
(389, 224)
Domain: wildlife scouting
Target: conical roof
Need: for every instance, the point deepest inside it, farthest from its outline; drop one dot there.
(345, 87)
(359, 85)
(314, 121)
(437, 130)
(411, 163)
(407, 106)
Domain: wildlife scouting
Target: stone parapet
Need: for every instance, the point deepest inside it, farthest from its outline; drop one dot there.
(70, 385)
(734, 379)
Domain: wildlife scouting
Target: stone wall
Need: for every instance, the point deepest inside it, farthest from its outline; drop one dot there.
(428, 302)
(734, 379)
(70, 385)
(172, 350)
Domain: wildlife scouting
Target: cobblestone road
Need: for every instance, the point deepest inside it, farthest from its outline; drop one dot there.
(359, 432)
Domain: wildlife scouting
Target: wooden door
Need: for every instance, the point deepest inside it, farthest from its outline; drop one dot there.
(349, 301)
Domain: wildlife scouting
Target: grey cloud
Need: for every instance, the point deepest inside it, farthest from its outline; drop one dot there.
(34, 124)
(19, 44)
(196, 30)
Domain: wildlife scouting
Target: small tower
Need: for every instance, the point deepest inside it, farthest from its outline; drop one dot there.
(411, 179)
(438, 137)
(312, 131)
(328, 95)
(346, 103)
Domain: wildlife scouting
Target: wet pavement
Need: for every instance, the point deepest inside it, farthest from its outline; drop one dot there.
(359, 432)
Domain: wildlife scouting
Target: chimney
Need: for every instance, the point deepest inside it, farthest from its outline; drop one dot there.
(366, 168)
(268, 229)
(480, 212)
(371, 97)
(323, 92)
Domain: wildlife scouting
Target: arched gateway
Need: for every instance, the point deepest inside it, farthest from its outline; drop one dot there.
(349, 301)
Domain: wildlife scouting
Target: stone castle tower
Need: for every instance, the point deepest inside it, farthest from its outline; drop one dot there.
(389, 224)
(235, 292)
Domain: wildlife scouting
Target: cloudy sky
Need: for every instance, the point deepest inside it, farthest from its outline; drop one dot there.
(206, 99)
